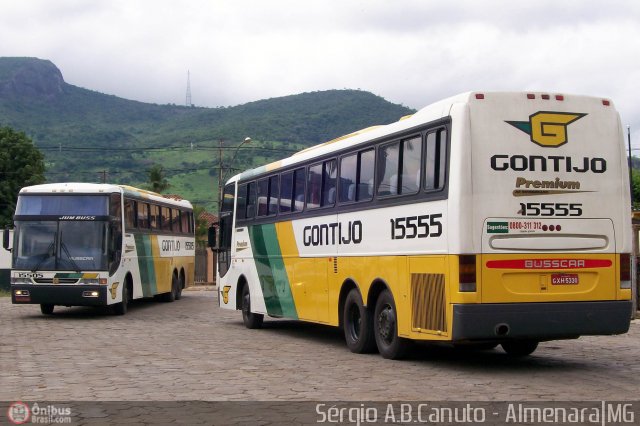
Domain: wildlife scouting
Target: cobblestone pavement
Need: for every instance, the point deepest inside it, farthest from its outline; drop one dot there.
(192, 350)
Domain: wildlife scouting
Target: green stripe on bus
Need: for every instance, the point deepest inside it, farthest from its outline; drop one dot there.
(145, 264)
(271, 271)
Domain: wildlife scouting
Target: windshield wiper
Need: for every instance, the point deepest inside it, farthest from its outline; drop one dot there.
(50, 252)
(63, 246)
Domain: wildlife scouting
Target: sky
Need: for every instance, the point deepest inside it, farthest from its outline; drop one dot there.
(410, 52)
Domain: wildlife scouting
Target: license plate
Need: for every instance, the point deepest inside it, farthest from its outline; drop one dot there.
(565, 279)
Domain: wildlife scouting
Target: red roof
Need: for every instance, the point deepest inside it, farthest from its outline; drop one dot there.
(210, 218)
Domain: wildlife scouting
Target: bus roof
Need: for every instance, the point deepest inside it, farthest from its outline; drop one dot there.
(101, 188)
(430, 113)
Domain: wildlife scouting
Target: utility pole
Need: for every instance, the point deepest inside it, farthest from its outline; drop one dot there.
(219, 174)
(634, 264)
(630, 164)
(188, 97)
(104, 176)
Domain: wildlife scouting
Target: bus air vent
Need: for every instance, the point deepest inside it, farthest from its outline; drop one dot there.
(428, 302)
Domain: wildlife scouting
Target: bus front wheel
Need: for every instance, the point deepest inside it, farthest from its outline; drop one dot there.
(46, 309)
(250, 319)
(519, 348)
(385, 323)
(358, 327)
(122, 307)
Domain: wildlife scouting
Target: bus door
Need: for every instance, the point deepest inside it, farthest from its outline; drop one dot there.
(225, 223)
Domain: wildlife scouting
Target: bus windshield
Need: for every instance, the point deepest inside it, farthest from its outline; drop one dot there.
(60, 246)
(44, 205)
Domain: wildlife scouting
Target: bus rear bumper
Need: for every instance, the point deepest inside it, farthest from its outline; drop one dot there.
(540, 321)
(66, 295)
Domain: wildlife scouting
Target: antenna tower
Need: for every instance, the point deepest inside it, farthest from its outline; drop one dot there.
(188, 100)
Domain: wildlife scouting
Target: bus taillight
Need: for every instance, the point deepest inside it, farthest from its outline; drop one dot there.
(625, 270)
(467, 272)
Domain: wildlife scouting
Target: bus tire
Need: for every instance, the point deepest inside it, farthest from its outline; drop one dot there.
(46, 309)
(176, 287)
(519, 348)
(358, 324)
(385, 325)
(170, 296)
(180, 286)
(251, 320)
(122, 307)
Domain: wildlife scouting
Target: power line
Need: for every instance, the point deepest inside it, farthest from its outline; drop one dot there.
(158, 149)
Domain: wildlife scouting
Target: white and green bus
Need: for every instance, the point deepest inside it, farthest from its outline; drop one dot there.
(483, 219)
(83, 244)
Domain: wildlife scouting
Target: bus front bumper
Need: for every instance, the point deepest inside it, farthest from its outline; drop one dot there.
(539, 321)
(66, 295)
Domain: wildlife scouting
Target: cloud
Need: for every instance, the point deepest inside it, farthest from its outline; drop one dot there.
(409, 51)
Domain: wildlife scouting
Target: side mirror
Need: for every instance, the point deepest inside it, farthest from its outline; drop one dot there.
(212, 241)
(5, 239)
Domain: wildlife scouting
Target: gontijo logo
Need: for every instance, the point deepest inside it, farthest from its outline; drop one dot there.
(546, 128)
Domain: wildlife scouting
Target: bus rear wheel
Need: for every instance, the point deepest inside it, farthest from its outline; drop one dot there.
(385, 323)
(250, 319)
(46, 309)
(519, 348)
(358, 326)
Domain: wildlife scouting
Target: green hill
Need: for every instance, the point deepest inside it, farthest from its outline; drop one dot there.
(86, 135)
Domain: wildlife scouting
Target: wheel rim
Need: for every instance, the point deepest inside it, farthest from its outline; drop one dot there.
(355, 322)
(386, 324)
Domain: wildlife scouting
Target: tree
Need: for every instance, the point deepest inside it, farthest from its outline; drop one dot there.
(157, 179)
(21, 164)
(201, 224)
(635, 186)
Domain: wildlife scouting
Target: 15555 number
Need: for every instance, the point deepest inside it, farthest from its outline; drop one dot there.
(423, 226)
(550, 209)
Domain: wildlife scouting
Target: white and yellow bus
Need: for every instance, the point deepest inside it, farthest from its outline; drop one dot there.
(83, 244)
(483, 219)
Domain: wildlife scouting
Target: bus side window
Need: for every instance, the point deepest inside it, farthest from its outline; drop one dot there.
(411, 161)
(366, 170)
(274, 192)
(286, 192)
(314, 186)
(228, 197)
(155, 216)
(263, 197)
(129, 214)
(435, 163)
(388, 169)
(191, 223)
(329, 183)
(165, 218)
(242, 202)
(251, 200)
(176, 219)
(115, 207)
(348, 178)
(298, 189)
(143, 215)
(184, 222)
